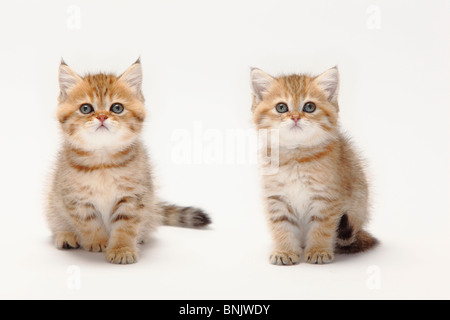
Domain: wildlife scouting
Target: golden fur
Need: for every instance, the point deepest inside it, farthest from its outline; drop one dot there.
(102, 196)
(317, 201)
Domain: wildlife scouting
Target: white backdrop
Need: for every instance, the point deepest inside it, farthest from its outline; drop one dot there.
(393, 57)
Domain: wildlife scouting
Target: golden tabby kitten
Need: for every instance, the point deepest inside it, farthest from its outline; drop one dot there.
(102, 196)
(317, 201)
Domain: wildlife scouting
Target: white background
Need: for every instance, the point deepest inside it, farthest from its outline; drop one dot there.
(393, 57)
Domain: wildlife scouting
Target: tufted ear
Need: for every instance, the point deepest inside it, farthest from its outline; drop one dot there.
(67, 79)
(133, 76)
(329, 83)
(260, 82)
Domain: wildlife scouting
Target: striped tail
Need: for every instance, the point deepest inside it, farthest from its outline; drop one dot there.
(188, 217)
(363, 242)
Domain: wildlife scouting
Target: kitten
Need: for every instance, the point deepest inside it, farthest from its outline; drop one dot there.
(318, 199)
(102, 196)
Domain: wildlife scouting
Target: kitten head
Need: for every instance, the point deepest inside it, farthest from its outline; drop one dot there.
(101, 111)
(302, 108)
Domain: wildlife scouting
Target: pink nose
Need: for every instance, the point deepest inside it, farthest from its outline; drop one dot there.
(102, 117)
(295, 119)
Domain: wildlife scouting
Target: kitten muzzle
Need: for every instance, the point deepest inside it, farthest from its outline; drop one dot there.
(102, 118)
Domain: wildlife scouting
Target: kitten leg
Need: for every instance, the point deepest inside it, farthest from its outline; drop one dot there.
(322, 236)
(284, 229)
(88, 227)
(125, 224)
(66, 240)
(64, 236)
(62, 230)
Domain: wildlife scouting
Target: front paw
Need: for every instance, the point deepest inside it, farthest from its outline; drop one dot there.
(284, 258)
(97, 245)
(123, 255)
(66, 240)
(319, 255)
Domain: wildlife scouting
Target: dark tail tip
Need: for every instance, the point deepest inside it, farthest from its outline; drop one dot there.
(364, 241)
(200, 219)
(188, 217)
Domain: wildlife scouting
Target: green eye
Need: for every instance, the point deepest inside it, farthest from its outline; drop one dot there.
(117, 108)
(86, 108)
(309, 107)
(282, 108)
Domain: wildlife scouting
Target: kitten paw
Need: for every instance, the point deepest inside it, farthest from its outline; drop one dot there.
(66, 240)
(98, 245)
(124, 255)
(319, 256)
(283, 258)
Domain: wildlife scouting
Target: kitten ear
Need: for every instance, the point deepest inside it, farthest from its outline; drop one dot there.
(261, 83)
(329, 83)
(67, 79)
(133, 76)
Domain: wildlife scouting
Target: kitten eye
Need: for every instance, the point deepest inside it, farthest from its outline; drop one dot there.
(117, 108)
(86, 108)
(309, 107)
(282, 108)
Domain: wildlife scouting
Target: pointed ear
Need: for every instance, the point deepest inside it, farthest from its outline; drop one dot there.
(133, 76)
(261, 83)
(329, 83)
(67, 79)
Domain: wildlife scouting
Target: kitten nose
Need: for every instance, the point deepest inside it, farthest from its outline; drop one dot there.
(295, 118)
(102, 117)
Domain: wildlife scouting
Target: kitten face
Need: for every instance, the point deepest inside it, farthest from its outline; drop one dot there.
(304, 109)
(101, 111)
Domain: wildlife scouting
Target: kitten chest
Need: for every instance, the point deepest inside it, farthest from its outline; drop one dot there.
(297, 188)
(102, 191)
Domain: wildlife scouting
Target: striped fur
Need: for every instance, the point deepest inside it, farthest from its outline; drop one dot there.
(102, 196)
(317, 202)
(189, 217)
